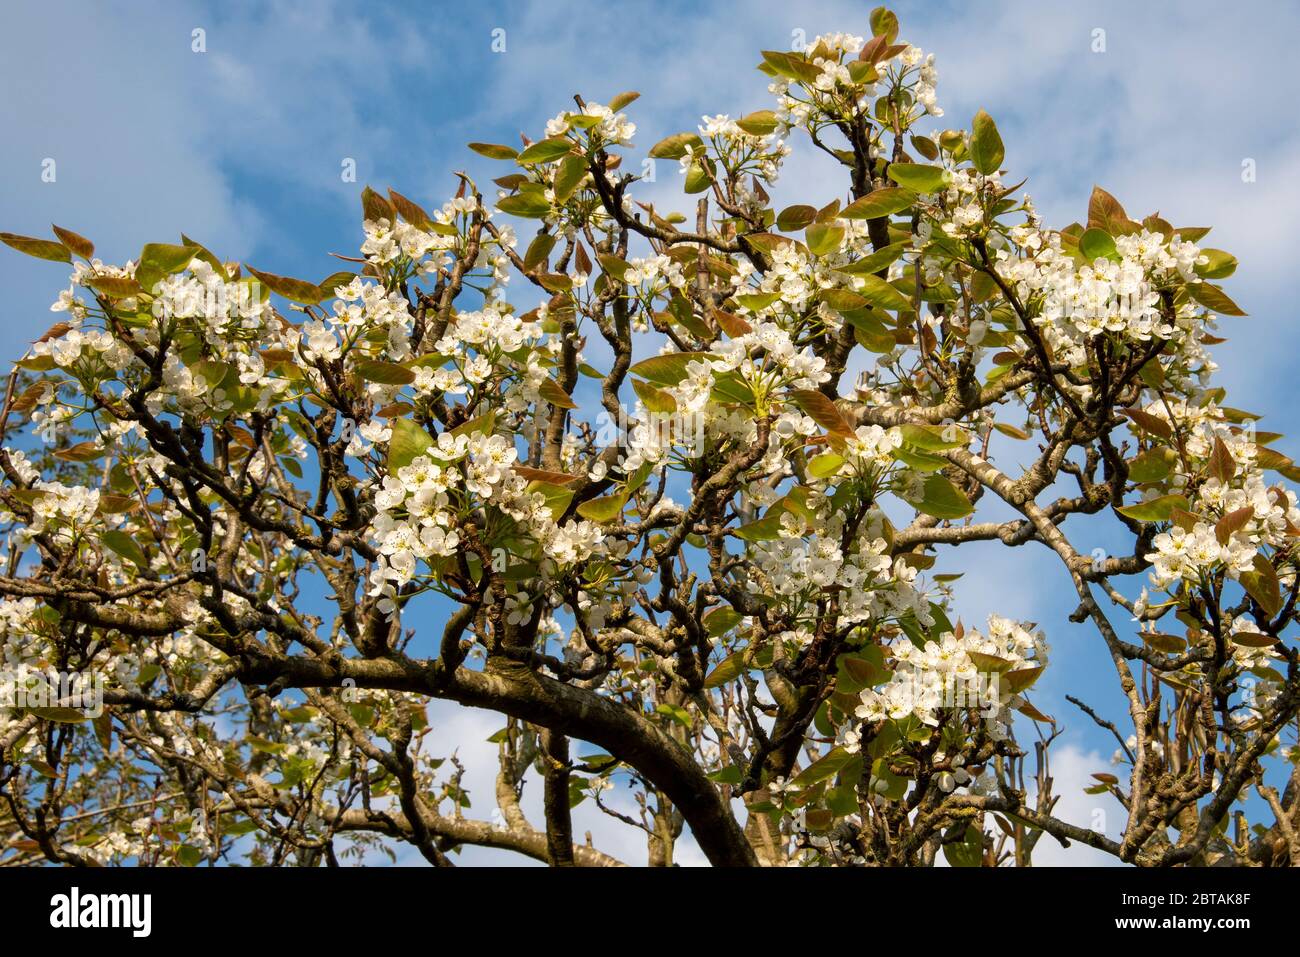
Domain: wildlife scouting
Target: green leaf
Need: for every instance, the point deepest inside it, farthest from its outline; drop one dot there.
(721, 620)
(116, 504)
(189, 855)
(638, 478)
(728, 670)
(790, 65)
(1221, 265)
(1018, 681)
(539, 250)
(408, 441)
(605, 509)
(698, 178)
(60, 715)
(159, 260)
(1154, 510)
(880, 293)
(216, 374)
(885, 782)
(1153, 465)
(921, 461)
(933, 438)
(825, 465)
(731, 774)
(1014, 431)
(1097, 244)
(730, 387)
(557, 496)
(385, 373)
(884, 23)
(795, 501)
(623, 99)
(986, 151)
(554, 393)
(1168, 644)
(529, 205)
(494, 151)
(942, 499)
(680, 715)
(40, 248)
(989, 663)
(1253, 639)
(764, 529)
(844, 300)
(81, 452)
(969, 851)
(655, 400)
(295, 290)
(1262, 584)
(919, 177)
(879, 202)
(570, 173)
(545, 151)
(843, 800)
(863, 670)
(825, 767)
(821, 410)
(126, 546)
(668, 369)
(481, 425)
(876, 261)
(674, 147)
(942, 624)
(613, 265)
(758, 124)
(824, 238)
(331, 283)
(757, 301)
(794, 218)
(84, 248)
(114, 287)
(1213, 298)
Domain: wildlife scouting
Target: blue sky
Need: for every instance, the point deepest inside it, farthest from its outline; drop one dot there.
(242, 147)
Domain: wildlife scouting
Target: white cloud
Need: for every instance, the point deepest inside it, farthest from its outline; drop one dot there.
(151, 138)
(465, 731)
(1072, 769)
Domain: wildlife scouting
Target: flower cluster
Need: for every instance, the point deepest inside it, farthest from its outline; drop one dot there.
(737, 149)
(871, 446)
(960, 669)
(1120, 295)
(606, 126)
(419, 509)
(802, 567)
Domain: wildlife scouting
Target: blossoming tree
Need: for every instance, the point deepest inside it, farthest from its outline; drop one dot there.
(276, 518)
